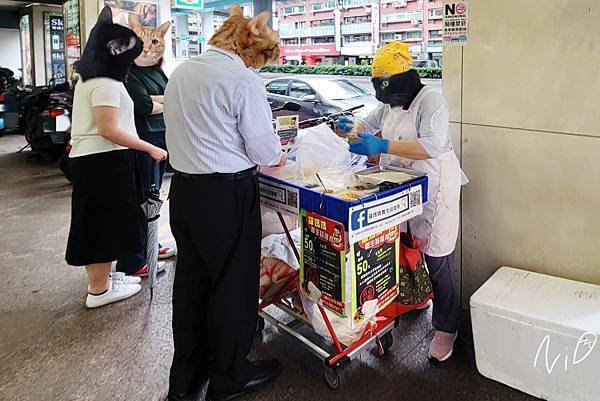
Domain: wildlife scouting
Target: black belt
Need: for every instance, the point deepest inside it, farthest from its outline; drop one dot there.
(223, 176)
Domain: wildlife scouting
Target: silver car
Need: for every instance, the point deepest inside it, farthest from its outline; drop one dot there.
(319, 95)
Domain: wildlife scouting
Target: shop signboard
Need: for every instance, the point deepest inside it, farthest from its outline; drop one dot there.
(55, 48)
(72, 33)
(192, 4)
(25, 31)
(327, 49)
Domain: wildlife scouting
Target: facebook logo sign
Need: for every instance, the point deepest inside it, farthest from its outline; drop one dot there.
(358, 219)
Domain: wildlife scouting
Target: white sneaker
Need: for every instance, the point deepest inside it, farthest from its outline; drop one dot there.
(117, 291)
(124, 279)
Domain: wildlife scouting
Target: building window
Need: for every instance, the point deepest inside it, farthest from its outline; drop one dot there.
(436, 13)
(412, 16)
(394, 3)
(357, 20)
(323, 22)
(323, 6)
(300, 24)
(438, 33)
(323, 40)
(357, 38)
(292, 42)
(406, 35)
(350, 3)
(414, 35)
(293, 10)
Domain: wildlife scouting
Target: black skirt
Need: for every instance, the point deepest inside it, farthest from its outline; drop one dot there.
(106, 216)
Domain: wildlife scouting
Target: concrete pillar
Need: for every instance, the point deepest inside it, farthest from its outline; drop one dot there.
(208, 25)
(181, 28)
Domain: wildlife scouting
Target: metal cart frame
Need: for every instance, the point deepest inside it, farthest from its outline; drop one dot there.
(334, 363)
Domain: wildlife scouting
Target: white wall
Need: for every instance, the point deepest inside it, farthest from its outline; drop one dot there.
(525, 114)
(11, 50)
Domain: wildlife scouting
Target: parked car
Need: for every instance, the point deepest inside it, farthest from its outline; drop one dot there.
(425, 64)
(318, 96)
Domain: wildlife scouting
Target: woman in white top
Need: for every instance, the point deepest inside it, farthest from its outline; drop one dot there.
(106, 213)
(413, 121)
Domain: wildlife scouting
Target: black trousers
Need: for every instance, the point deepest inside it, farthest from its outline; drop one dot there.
(446, 301)
(216, 224)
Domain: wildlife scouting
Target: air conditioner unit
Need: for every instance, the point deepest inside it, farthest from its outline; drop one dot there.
(398, 36)
(414, 21)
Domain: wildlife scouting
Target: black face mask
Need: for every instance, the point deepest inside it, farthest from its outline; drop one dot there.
(398, 90)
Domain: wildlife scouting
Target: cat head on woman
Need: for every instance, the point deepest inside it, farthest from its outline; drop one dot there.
(154, 44)
(109, 51)
(251, 39)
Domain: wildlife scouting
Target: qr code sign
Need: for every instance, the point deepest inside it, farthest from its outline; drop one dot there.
(415, 198)
(292, 198)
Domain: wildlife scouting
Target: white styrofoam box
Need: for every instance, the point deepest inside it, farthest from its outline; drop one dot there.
(539, 334)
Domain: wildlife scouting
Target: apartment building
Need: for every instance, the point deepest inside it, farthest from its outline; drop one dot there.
(350, 31)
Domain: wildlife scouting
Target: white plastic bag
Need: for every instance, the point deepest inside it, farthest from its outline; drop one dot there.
(277, 246)
(320, 151)
(342, 326)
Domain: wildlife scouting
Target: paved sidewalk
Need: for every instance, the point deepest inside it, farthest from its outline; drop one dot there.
(53, 349)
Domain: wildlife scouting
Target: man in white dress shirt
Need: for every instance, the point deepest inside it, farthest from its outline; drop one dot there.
(219, 130)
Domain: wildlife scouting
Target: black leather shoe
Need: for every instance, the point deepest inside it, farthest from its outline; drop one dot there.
(264, 372)
(179, 397)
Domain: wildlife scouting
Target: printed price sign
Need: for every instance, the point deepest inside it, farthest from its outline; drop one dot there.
(375, 270)
(456, 23)
(286, 128)
(279, 197)
(323, 258)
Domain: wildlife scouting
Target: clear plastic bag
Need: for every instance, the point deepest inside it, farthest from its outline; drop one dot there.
(343, 327)
(320, 151)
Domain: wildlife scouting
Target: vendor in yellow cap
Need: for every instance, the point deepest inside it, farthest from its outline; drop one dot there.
(413, 120)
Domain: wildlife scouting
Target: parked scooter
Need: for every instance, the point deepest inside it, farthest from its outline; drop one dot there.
(47, 113)
(9, 99)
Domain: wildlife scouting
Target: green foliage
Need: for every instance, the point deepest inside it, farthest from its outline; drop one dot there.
(352, 70)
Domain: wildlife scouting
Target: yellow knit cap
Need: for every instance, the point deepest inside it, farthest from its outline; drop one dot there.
(391, 59)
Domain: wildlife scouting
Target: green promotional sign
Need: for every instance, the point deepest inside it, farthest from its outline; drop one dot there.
(196, 4)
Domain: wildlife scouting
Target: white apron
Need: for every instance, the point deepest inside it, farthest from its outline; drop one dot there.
(437, 228)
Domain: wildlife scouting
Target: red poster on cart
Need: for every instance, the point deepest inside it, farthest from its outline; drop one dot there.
(323, 258)
(375, 270)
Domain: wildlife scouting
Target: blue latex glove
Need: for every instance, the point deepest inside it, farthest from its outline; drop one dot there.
(345, 124)
(369, 145)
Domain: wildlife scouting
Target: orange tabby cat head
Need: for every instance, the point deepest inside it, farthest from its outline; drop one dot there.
(251, 39)
(154, 44)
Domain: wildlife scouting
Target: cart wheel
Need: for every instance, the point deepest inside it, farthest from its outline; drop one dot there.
(384, 343)
(260, 325)
(387, 340)
(335, 377)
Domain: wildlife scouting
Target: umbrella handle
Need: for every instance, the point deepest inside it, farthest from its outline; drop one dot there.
(155, 185)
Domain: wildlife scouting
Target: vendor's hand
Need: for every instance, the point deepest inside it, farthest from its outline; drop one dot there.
(345, 124)
(157, 154)
(369, 145)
